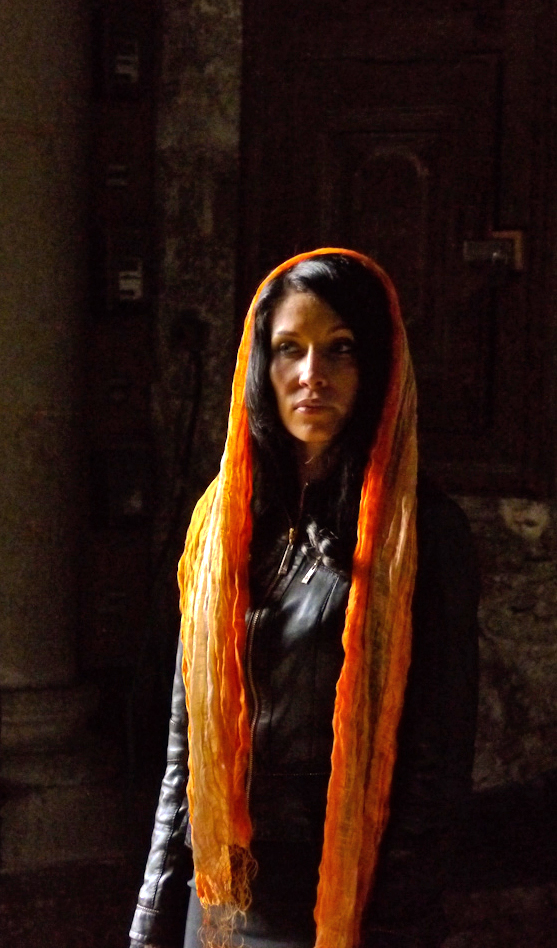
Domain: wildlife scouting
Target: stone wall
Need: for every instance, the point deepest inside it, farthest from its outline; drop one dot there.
(197, 187)
(517, 546)
(46, 753)
(44, 126)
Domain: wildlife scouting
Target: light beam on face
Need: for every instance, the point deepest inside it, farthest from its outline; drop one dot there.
(314, 371)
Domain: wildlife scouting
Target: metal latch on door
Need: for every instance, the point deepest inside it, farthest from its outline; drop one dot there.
(503, 248)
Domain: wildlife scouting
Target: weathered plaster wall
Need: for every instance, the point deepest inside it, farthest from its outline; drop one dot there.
(517, 545)
(197, 187)
(43, 228)
(45, 757)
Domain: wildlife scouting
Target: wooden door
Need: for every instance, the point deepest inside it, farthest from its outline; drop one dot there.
(407, 132)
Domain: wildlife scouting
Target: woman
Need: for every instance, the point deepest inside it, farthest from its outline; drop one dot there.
(329, 645)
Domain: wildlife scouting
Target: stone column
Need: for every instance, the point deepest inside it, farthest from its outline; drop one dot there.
(44, 127)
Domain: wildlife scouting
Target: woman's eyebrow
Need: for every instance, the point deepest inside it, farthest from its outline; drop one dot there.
(298, 332)
(341, 328)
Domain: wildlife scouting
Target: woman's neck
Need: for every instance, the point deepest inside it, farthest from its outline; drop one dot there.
(312, 466)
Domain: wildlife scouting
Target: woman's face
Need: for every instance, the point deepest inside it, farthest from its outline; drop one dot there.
(314, 372)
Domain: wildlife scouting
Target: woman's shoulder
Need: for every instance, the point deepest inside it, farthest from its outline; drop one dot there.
(437, 511)
(207, 498)
(446, 546)
(196, 535)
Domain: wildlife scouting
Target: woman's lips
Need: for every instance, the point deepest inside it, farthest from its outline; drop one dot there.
(308, 407)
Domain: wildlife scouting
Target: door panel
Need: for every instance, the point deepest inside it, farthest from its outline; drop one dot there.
(403, 136)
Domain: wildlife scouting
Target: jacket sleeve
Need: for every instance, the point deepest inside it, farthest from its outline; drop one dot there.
(432, 778)
(160, 915)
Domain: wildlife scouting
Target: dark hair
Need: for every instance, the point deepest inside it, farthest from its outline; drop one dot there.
(359, 297)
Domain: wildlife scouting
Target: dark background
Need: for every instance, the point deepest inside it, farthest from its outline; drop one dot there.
(156, 159)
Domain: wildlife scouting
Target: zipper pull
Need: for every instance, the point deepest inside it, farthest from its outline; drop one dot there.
(287, 557)
(311, 571)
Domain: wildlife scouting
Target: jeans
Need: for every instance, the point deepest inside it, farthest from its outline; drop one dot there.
(283, 899)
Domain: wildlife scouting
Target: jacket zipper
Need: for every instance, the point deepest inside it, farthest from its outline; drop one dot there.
(249, 669)
(282, 571)
(311, 571)
(255, 700)
(287, 555)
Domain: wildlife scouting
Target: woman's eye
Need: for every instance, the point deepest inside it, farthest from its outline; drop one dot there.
(285, 348)
(343, 346)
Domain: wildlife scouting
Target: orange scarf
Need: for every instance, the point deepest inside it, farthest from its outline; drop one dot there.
(213, 576)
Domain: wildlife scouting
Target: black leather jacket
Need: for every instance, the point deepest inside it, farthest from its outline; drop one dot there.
(293, 659)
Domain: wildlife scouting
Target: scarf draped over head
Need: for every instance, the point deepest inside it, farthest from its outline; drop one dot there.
(213, 577)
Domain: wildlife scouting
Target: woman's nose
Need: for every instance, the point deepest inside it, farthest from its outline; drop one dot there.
(313, 371)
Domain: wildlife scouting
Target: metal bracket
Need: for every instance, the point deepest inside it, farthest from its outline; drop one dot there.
(502, 248)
